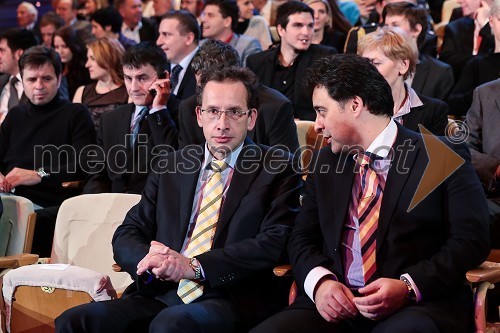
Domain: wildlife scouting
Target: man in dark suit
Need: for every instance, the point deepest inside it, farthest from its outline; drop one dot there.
(179, 38)
(483, 120)
(68, 10)
(366, 257)
(283, 68)
(275, 124)
(254, 203)
(130, 136)
(13, 43)
(136, 27)
(466, 37)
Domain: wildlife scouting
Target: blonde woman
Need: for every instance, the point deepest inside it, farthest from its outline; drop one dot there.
(395, 56)
(104, 65)
(252, 25)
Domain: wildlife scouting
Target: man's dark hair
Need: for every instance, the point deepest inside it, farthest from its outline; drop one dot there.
(227, 8)
(231, 74)
(51, 18)
(348, 75)
(146, 53)
(214, 55)
(108, 16)
(413, 13)
(187, 23)
(19, 39)
(290, 8)
(38, 56)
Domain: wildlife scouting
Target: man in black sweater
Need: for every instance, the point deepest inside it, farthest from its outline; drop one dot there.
(41, 142)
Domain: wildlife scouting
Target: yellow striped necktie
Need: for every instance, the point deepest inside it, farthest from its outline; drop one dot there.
(204, 230)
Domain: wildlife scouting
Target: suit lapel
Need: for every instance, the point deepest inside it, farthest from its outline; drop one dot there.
(269, 67)
(340, 177)
(396, 178)
(249, 157)
(187, 184)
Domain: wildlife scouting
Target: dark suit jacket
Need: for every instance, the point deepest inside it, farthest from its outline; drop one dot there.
(125, 169)
(433, 115)
(433, 78)
(263, 64)
(187, 86)
(148, 31)
(435, 243)
(252, 230)
(275, 124)
(458, 43)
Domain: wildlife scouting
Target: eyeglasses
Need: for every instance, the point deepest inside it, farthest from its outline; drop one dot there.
(233, 114)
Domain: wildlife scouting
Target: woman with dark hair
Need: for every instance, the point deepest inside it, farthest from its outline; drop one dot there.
(330, 25)
(73, 56)
(105, 66)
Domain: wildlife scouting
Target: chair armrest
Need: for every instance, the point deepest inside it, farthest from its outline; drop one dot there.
(18, 260)
(283, 270)
(74, 184)
(488, 271)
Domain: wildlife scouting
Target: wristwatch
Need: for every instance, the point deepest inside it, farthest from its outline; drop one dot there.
(42, 173)
(195, 265)
(411, 296)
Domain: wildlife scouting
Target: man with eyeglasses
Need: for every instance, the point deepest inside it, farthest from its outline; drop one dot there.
(212, 223)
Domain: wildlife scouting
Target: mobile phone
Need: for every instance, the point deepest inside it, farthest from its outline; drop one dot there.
(152, 91)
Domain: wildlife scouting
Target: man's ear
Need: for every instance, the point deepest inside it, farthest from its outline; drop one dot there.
(189, 38)
(281, 30)
(198, 116)
(228, 21)
(416, 32)
(107, 28)
(18, 53)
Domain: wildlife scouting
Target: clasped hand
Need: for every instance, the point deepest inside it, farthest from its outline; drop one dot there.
(16, 177)
(335, 302)
(165, 264)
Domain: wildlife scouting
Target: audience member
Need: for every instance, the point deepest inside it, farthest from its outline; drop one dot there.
(91, 6)
(105, 67)
(394, 54)
(283, 68)
(136, 27)
(41, 142)
(195, 7)
(13, 43)
(132, 135)
(219, 21)
(161, 7)
(107, 22)
(364, 258)
(179, 38)
(252, 25)
(478, 70)
(73, 56)
(433, 78)
(27, 15)
(466, 37)
(49, 23)
(68, 10)
(203, 240)
(328, 30)
(483, 120)
(274, 126)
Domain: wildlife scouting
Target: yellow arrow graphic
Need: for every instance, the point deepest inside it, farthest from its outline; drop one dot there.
(443, 162)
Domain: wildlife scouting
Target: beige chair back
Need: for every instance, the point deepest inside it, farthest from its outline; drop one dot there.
(84, 229)
(16, 226)
(309, 141)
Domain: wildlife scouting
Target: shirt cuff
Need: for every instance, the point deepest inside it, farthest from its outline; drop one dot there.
(414, 286)
(156, 109)
(312, 279)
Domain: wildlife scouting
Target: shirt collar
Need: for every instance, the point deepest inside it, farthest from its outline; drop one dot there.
(186, 61)
(126, 27)
(411, 102)
(230, 159)
(383, 142)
